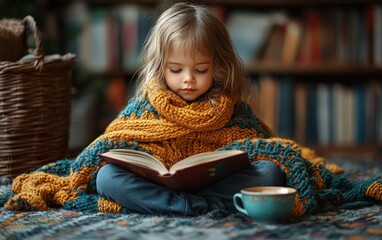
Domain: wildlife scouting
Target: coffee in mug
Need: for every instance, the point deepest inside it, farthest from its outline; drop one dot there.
(269, 204)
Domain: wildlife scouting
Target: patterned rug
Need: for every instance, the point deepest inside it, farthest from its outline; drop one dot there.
(357, 221)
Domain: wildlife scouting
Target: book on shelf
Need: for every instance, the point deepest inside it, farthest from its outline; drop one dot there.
(349, 116)
(127, 16)
(379, 115)
(361, 111)
(109, 38)
(248, 31)
(285, 107)
(338, 114)
(304, 53)
(311, 114)
(369, 29)
(273, 49)
(134, 23)
(292, 41)
(377, 14)
(373, 111)
(98, 44)
(190, 174)
(268, 100)
(323, 114)
(314, 24)
(344, 115)
(300, 111)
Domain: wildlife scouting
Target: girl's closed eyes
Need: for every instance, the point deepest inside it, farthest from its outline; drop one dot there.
(201, 71)
(175, 70)
(178, 70)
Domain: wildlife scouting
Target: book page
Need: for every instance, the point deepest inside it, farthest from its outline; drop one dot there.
(203, 158)
(139, 157)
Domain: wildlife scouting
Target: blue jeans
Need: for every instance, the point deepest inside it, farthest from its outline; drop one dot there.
(140, 195)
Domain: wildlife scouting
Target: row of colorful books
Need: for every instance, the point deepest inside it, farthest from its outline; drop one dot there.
(324, 113)
(111, 38)
(329, 35)
(108, 39)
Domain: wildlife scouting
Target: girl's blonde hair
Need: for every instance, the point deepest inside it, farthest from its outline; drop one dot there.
(196, 28)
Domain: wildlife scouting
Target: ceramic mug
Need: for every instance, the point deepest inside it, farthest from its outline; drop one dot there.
(266, 204)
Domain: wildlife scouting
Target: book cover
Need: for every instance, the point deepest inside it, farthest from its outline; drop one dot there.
(268, 100)
(315, 27)
(145, 23)
(300, 112)
(273, 49)
(99, 50)
(248, 32)
(190, 174)
(340, 113)
(377, 41)
(311, 132)
(363, 37)
(285, 107)
(349, 116)
(112, 41)
(329, 32)
(323, 114)
(360, 105)
(372, 108)
(340, 36)
(331, 114)
(303, 56)
(292, 42)
(128, 18)
(379, 116)
(369, 29)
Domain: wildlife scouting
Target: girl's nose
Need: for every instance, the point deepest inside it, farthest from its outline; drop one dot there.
(189, 77)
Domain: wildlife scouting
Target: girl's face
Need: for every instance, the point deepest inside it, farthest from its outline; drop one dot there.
(188, 74)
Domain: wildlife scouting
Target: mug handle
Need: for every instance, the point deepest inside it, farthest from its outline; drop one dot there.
(238, 202)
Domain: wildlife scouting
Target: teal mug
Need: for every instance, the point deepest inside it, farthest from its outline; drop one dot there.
(269, 205)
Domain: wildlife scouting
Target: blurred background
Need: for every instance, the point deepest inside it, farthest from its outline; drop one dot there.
(316, 65)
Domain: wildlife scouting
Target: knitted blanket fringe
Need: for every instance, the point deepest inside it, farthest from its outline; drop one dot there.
(169, 128)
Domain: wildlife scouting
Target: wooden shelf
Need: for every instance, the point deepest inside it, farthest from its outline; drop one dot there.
(317, 69)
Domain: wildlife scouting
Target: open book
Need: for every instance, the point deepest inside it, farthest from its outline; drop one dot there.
(190, 174)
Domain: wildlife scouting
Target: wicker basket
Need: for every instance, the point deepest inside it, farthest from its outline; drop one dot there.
(35, 104)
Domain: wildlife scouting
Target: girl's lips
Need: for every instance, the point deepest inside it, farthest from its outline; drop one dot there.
(188, 90)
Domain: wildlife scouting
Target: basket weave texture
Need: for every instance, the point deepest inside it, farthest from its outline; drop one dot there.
(35, 105)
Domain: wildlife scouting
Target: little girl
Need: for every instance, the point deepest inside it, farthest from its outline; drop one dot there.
(193, 97)
(188, 58)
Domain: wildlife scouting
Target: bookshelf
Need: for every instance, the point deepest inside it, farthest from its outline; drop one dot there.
(345, 66)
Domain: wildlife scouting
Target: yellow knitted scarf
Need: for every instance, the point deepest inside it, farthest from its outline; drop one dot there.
(178, 118)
